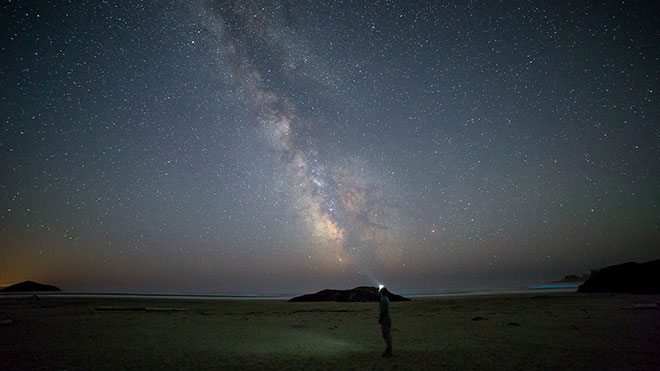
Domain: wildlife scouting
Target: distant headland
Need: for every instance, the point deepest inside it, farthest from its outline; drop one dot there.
(358, 294)
(634, 278)
(30, 286)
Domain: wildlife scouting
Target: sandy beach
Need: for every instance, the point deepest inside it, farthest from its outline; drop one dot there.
(562, 331)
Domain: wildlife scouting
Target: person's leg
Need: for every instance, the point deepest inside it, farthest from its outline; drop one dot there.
(388, 340)
(387, 336)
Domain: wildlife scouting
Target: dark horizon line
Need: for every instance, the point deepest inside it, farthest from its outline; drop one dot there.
(434, 292)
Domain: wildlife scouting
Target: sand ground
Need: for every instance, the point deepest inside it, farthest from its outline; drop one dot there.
(558, 331)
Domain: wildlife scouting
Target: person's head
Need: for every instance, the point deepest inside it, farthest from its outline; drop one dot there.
(383, 291)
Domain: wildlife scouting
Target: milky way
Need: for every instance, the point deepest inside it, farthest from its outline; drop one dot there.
(338, 200)
(248, 146)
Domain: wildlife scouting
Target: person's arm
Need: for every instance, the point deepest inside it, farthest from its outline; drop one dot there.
(383, 311)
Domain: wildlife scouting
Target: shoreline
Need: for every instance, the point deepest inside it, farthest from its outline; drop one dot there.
(410, 294)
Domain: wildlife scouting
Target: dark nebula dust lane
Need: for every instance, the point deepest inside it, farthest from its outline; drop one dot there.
(259, 146)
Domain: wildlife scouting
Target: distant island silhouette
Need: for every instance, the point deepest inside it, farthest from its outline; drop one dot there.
(30, 286)
(574, 278)
(630, 277)
(358, 294)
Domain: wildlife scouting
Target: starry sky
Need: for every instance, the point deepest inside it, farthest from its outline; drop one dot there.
(247, 146)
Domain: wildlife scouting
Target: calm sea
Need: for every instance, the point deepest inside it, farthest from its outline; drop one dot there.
(563, 287)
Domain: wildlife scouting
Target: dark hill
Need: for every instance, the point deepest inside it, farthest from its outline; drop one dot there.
(358, 294)
(631, 278)
(28, 286)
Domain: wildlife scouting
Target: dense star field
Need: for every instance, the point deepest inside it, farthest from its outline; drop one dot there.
(218, 146)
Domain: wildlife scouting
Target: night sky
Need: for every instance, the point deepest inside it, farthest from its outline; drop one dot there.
(235, 147)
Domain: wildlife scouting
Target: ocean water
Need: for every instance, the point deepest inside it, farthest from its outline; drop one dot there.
(539, 288)
(149, 295)
(529, 289)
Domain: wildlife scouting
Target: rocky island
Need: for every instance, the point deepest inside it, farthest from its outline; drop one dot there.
(30, 286)
(358, 294)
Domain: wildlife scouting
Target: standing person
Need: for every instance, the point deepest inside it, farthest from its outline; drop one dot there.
(385, 321)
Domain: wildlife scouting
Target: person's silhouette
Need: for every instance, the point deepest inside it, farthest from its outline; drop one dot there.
(385, 321)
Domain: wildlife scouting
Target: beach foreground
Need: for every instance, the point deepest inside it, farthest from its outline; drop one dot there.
(563, 331)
